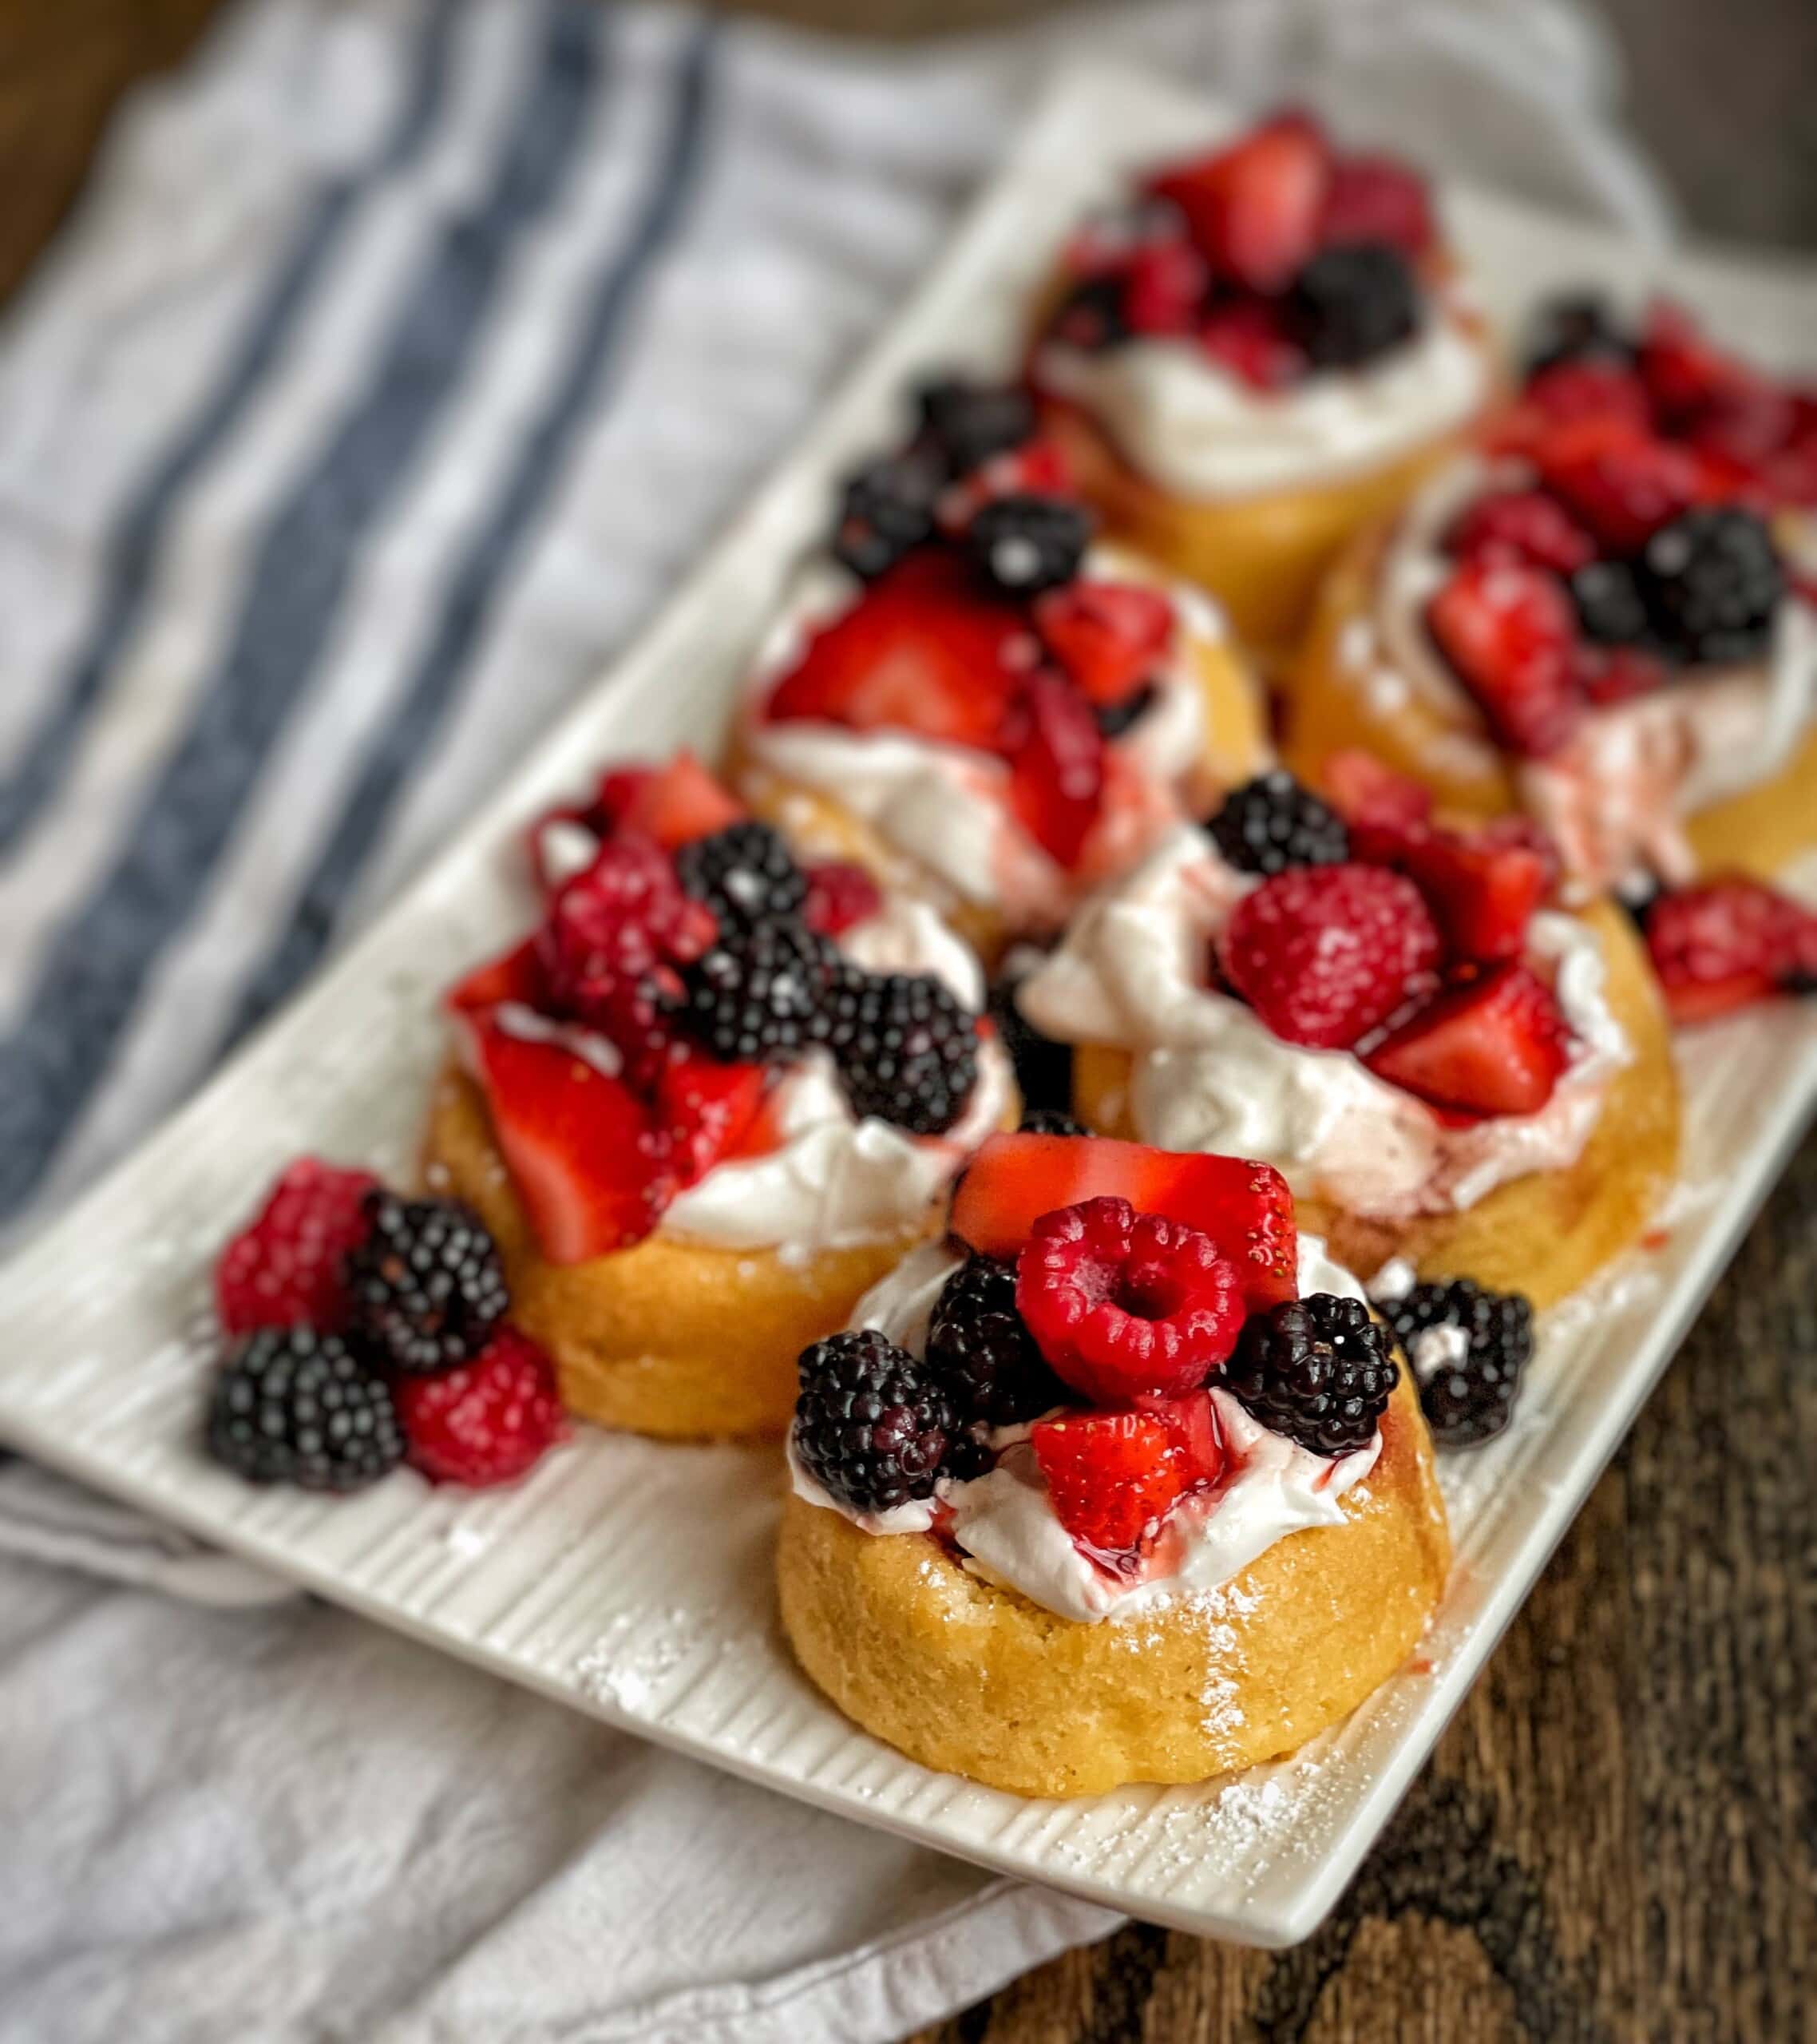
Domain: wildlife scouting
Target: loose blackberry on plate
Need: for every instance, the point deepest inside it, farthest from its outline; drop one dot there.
(1317, 1369)
(871, 1424)
(745, 874)
(1467, 1384)
(1273, 822)
(293, 1406)
(427, 1286)
(982, 1350)
(908, 1051)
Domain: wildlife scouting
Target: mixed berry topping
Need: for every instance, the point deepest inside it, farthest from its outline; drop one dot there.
(1112, 1476)
(630, 1045)
(982, 1350)
(1726, 942)
(1468, 1382)
(1026, 543)
(426, 1285)
(887, 507)
(1317, 1369)
(1409, 948)
(968, 424)
(294, 1405)
(1278, 256)
(871, 1425)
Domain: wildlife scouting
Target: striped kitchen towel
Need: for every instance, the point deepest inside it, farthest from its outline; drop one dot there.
(401, 356)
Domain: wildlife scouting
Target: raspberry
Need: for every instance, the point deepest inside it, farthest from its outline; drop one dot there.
(1351, 303)
(967, 423)
(1621, 483)
(1273, 822)
(285, 1267)
(744, 874)
(839, 897)
(1317, 1369)
(872, 1426)
(907, 1050)
(1521, 525)
(1728, 941)
(294, 1405)
(1124, 1304)
(1712, 581)
(1252, 339)
(886, 507)
(485, 1422)
(1326, 954)
(426, 1284)
(756, 994)
(1376, 198)
(979, 1348)
(1467, 1397)
(1026, 544)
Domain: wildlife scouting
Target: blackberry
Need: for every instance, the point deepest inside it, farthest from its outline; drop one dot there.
(756, 993)
(1043, 1067)
(1467, 1399)
(1026, 544)
(1572, 325)
(426, 1287)
(872, 1426)
(1114, 719)
(1610, 605)
(1090, 316)
(1273, 822)
(1352, 302)
(887, 507)
(1051, 1121)
(969, 422)
(1712, 581)
(981, 1351)
(1317, 1369)
(293, 1406)
(744, 874)
(907, 1050)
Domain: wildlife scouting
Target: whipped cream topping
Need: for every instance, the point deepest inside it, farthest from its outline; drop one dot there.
(833, 1180)
(946, 806)
(1004, 1524)
(1616, 796)
(1208, 1074)
(1195, 428)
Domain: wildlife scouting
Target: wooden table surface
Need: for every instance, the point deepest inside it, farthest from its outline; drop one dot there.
(1618, 1839)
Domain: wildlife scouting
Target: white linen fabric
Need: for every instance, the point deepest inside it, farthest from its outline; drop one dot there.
(400, 357)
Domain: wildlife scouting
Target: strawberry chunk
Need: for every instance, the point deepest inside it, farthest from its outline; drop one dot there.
(1255, 209)
(514, 976)
(1377, 198)
(1380, 806)
(1112, 1476)
(1622, 484)
(1248, 337)
(1727, 942)
(1056, 754)
(1521, 525)
(1508, 630)
(1684, 372)
(488, 1422)
(1495, 1046)
(1164, 283)
(707, 1110)
(1108, 637)
(1326, 954)
(921, 650)
(674, 805)
(1483, 889)
(284, 1269)
(1123, 1305)
(583, 1153)
(1244, 1207)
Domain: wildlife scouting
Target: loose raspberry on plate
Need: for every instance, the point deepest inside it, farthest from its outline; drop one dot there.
(1244, 1207)
(1112, 1475)
(1726, 942)
(1325, 954)
(1496, 1045)
(1124, 1305)
(1108, 637)
(488, 1421)
(1256, 208)
(285, 1268)
(1508, 630)
(1057, 765)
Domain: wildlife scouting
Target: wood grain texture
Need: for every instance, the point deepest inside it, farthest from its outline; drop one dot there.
(1618, 1839)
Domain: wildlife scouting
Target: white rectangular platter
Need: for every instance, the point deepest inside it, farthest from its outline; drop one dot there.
(633, 1581)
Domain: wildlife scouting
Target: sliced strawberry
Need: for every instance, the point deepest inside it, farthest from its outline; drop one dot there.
(707, 1111)
(1244, 1207)
(581, 1148)
(1248, 337)
(1192, 1425)
(1164, 283)
(1056, 754)
(1621, 483)
(1684, 371)
(1109, 636)
(1509, 631)
(1377, 198)
(1111, 1475)
(1255, 209)
(1728, 941)
(1495, 1046)
(1481, 889)
(840, 896)
(1521, 525)
(1381, 806)
(920, 650)
(678, 803)
(515, 976)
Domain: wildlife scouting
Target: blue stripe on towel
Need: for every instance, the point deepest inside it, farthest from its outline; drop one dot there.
(435, 685)
(133, 546)
(97, 965)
